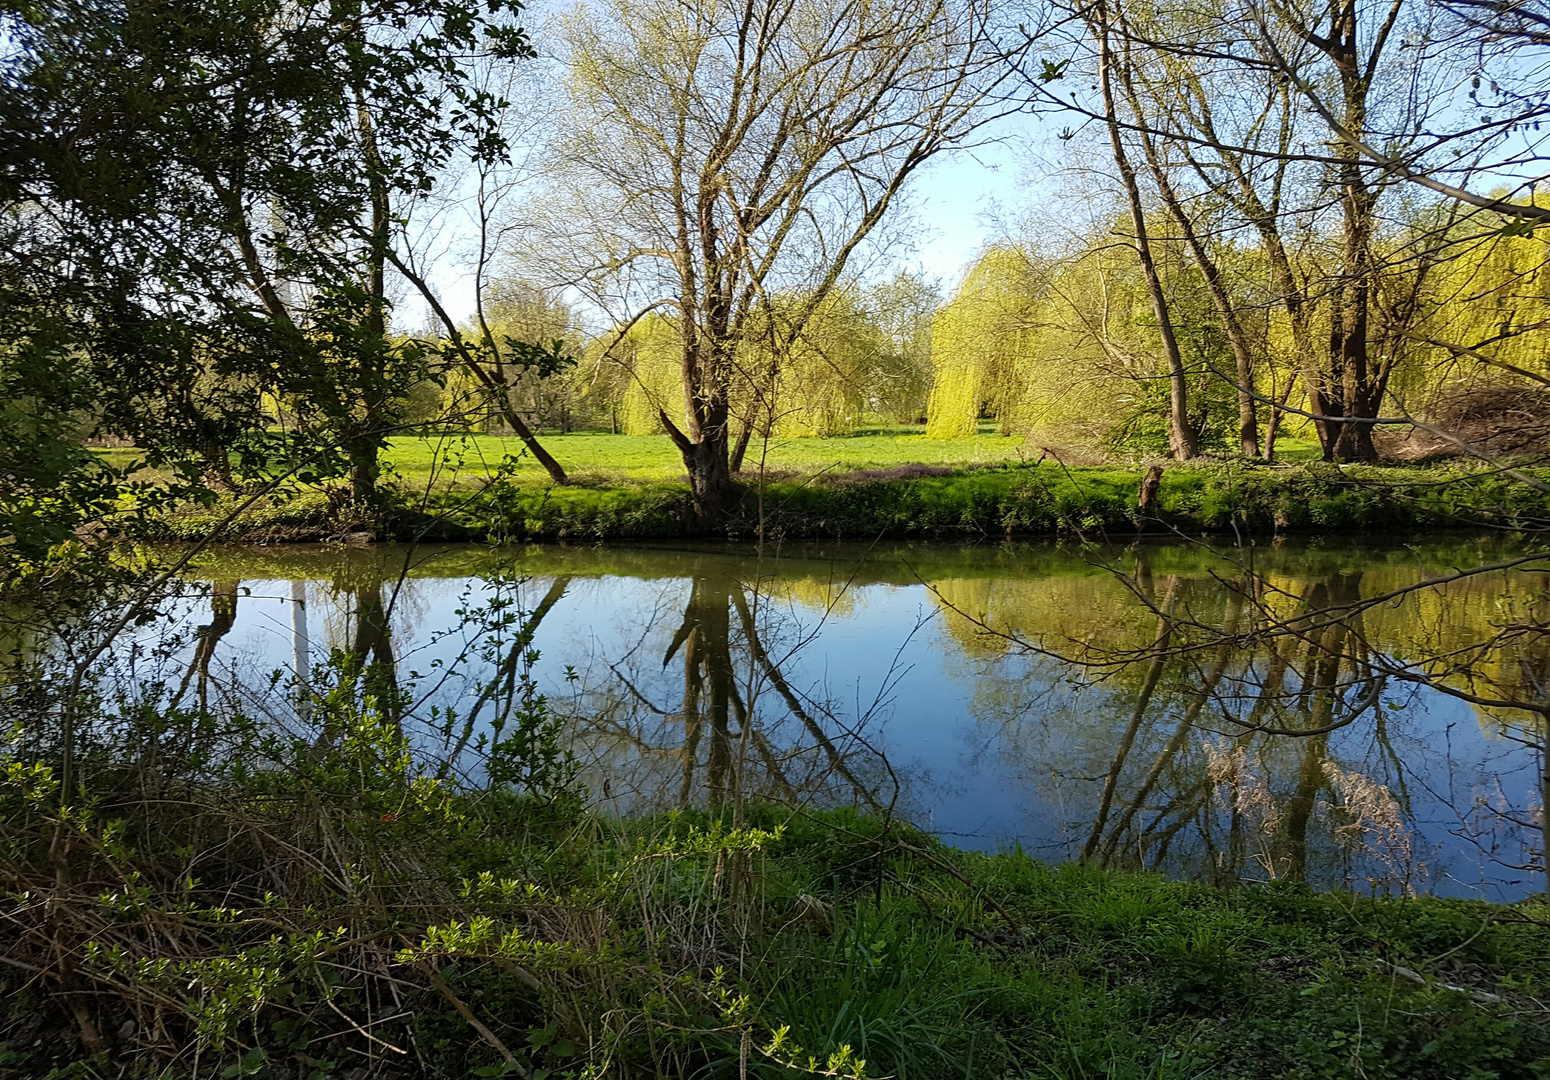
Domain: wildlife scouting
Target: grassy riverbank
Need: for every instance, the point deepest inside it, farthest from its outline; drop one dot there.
(934, 501)
(488, 937)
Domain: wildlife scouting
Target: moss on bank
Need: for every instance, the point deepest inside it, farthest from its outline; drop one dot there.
(1021, 499)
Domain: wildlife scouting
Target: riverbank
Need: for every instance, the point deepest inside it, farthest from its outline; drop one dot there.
(492, 937)
(936, 502)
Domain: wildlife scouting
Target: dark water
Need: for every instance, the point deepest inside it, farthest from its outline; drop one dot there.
(911, 677)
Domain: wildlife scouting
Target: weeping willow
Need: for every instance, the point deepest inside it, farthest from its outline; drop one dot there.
(979, 345)
(1058, 348)
(1493, 298)
(652, 352)
(1066, 349)
(823, 370)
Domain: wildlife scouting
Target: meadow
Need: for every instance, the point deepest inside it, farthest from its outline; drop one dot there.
(598, 456)
(883, 483)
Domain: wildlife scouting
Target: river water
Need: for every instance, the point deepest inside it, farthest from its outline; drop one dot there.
(937, 681)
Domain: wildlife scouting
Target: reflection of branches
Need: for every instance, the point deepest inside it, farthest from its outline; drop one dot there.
(505, 678)
(1153, 674)
(223, 616)
(727, 660)
(782, 687)
(1180, 735)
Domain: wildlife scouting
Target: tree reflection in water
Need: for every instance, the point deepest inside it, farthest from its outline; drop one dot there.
(739, 729)
(1252, 726)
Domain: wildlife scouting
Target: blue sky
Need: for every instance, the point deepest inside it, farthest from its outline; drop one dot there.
(964, 199)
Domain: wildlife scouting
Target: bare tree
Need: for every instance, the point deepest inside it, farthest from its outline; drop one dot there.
(1309, 133)
(721, 151)
(499, 171)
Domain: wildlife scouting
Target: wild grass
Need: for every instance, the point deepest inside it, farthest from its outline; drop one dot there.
(499, 937)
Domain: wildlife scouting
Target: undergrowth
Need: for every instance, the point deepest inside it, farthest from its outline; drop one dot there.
(330, 912)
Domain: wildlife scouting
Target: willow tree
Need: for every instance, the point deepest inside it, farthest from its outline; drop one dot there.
(979, 344)
(1311, 126)
(521, 311)
(648, 351)
(828, 370)
(903, 309)
(1061, 342)
(1489, 307)
(719, 151)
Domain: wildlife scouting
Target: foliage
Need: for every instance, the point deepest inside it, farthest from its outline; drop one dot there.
(979, 342)
(1064, 348)
(823, 365)
(528, 330)
(196, 313)
(653, 355)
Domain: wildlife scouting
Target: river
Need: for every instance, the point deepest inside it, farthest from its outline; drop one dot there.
(938, 682)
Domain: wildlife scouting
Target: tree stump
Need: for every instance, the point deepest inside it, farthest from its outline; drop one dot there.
(1146, 499)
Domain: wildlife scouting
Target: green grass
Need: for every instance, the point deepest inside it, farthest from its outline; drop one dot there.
(1129, 975)
(600, 456)
(856, 940)
(990, 502)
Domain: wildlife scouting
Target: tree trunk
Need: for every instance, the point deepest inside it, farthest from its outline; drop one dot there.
(1182, 439)
(711, 487)
(740, 451)
(1272, 428)
(536, 448)
(1248, 424)
(1359, 386)
(217, 471)
(361, 448)
(365, 440)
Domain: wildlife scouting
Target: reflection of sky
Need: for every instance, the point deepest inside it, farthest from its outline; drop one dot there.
(990, 751)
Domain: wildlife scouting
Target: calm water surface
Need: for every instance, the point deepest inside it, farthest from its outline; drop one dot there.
(911, 677)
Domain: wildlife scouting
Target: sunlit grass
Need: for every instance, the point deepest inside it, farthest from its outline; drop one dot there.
(1290, 448)
(653, 457)
(599, 456)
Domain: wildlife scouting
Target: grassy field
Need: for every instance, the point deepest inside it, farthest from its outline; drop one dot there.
(598, 456)
(601, 457)
(882, 483)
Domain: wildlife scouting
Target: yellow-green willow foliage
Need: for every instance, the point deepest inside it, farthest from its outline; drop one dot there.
(653, 352)
(513, 310)
(831, 596)
(979, 345)
(1062, 349)
(1493, 296)
(824, 373)
(1065, 349)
